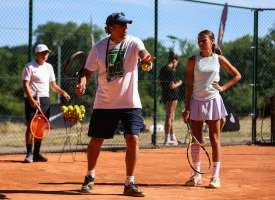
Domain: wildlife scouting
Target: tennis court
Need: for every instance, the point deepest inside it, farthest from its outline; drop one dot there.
(247, 173)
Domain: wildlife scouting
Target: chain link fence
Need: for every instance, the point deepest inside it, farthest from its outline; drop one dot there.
(69, 26)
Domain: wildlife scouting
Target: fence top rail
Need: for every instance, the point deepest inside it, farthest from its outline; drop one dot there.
(232, 6)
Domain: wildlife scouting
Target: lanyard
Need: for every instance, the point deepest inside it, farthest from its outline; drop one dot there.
(107, 49)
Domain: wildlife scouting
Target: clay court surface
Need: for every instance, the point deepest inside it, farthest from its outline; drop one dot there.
(248, 172)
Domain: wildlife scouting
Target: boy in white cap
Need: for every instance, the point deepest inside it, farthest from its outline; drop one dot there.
(38, 76)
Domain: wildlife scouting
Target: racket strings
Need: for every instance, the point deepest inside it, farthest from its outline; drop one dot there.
(73, 68)
(40, 126)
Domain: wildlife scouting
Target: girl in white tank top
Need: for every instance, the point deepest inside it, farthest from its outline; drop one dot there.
(206, 71)
(203, 102)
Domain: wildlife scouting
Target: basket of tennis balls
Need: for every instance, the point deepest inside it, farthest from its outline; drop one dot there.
(73, 113)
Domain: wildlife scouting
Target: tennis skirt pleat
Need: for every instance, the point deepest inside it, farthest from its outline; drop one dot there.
(212, 109)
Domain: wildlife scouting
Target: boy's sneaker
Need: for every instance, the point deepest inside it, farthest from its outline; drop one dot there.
(28, 159)
(39, 158)
(132, 190)
(194, 180)
(214, 183)
(87, 186)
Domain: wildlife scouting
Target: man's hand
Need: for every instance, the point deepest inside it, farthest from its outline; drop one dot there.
(146, 63)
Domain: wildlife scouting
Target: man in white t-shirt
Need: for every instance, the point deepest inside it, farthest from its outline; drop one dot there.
(115, 61)
(38, 77)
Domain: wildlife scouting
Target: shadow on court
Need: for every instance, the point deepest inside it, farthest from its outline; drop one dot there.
(11, 161)
(2, 196)
(119, 184)
(51, 192)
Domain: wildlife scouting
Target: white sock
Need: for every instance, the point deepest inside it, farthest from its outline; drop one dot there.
(91, 173)
(216, 169)
(129, 180)
(195, 152)
(197, 166)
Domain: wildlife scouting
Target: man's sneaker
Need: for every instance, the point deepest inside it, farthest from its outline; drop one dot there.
(132, 190)
(28, 159)
(87, 186)
(194, 180)
(39, 158)
(214, 183)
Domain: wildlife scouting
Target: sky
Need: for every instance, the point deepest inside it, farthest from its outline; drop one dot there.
(176, 17)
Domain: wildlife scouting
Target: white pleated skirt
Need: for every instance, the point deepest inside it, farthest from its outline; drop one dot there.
(212, 109)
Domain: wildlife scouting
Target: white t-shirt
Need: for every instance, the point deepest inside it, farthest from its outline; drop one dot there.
(122, 90)
(207, 70)
(39, 76)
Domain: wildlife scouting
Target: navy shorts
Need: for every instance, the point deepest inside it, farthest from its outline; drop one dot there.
(104, 122)
(30, 111)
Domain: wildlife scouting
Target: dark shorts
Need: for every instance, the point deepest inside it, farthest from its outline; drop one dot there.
(30, 111)
(168, 98)
(104, 122)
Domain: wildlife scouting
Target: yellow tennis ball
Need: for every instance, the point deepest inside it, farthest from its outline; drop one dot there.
(64, 108)
(70, 107)
(145, 66)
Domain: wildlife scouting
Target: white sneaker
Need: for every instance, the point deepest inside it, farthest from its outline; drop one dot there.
(173, 139)
(214, 183)
(167, 141)
(194, 180)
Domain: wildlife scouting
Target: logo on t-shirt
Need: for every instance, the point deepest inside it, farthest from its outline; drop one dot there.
(115, 60)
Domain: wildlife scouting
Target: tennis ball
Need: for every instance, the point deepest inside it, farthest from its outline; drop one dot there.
(64, 108)
(145, 66)
(70, 107)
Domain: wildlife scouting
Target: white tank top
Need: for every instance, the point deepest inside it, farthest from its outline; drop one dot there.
(207, 70)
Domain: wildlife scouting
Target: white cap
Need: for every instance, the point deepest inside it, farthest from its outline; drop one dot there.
(40, 48)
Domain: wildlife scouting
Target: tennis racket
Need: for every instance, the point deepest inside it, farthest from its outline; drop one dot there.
(222, 25)
(204, 157)
(74, 66)
(40, 125)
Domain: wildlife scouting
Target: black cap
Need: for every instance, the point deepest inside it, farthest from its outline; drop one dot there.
(117, 18)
